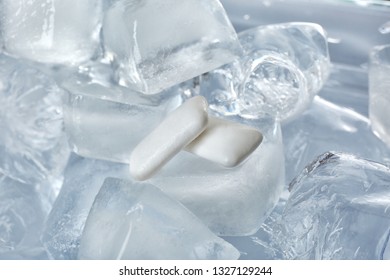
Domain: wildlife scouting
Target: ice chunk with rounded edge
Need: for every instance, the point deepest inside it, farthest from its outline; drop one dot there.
(282, 69)
(132, 220)
(151, 53)
(52, 31)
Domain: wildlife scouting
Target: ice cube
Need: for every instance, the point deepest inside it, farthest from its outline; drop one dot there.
(283, 68)
(338, 209)
(230, 201)
(22, 216)
(324, 127)
(64, 226)
(131, 220)
(108, 122)
(152, 53)
(379, 97)
(33, 145)
(53, 31)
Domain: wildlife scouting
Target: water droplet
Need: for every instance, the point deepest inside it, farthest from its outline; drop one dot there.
(385, 28)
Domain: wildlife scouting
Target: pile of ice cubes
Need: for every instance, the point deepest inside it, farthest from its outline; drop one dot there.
(91, 87)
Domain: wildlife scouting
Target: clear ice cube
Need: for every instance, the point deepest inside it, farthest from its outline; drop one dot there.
(283, 68)
(329, 127)
(132, 220)
(230, 201)
(338, 209)
(64, 226)
(108, 122)
(379, 92)
(152, 53)
(52, 31)
(22, 216)
(33, 145)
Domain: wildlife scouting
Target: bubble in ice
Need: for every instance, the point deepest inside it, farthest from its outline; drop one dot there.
(283, 68)
(33, 145)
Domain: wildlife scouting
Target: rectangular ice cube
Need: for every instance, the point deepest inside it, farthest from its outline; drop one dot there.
(53, 31)
(108, 122)
(157, 44)
(83, 179)
(132, 220)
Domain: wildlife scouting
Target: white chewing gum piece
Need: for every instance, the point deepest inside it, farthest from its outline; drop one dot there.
(175, 132)
(225, 142)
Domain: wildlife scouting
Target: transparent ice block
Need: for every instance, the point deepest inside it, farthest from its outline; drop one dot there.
(283, 68)
(379, 95)
(33, 146)
(338, 209)
(157, 44)
(133, 220)
(22, 216)
(65, 224)
(108, 122)
(52, 31)
(230, 201)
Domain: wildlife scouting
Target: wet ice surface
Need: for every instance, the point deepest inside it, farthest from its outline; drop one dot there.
(328, 127)
(138, 221)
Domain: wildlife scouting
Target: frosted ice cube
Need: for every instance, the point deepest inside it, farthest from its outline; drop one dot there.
(379, 97)
(22, 216)
(324, 127)
(230, 201)
(53, 31)
(33, 144)
(338, 209)
(283, 68)
(157, 44)
(108, 122)
(64, 226)
(132, 220)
